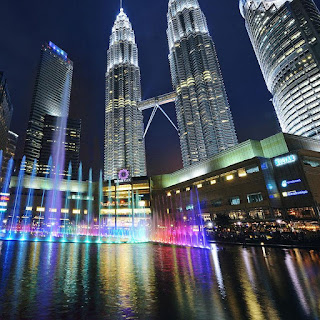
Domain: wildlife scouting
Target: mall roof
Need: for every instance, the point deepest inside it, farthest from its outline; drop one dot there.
(271, 147)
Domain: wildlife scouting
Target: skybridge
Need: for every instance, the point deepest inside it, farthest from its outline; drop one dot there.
(155, 104)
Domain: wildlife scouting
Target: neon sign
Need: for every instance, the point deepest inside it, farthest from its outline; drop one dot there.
(294, 193)
(285, 183)
(58, 50)
(285, 160)
(124, 175)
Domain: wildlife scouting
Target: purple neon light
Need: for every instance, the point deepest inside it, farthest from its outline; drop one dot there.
(124, 174)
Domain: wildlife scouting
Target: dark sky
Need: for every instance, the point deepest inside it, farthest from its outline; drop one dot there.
(82, 28)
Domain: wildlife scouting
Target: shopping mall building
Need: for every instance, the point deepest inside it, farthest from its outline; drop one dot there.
(276, 178)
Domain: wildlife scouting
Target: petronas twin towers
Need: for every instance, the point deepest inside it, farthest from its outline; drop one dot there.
(124, 145)
(203, 112)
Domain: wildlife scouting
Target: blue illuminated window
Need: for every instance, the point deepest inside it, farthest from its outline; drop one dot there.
(252, 169)
(234, 201)
(189, 207)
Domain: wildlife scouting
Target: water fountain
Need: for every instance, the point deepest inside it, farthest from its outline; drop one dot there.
(5, 191)
(26, 219)
(15, 215)
(58, 209)
(66, 209)
(91, 212)
(182, 228)
(89, 207)
(79, 217)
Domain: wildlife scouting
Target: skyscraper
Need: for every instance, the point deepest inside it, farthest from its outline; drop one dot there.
(6, 111)
(286, 38)
(71, 144)
(10, 150)
(51, 96)
(124, 144)
(203, 112)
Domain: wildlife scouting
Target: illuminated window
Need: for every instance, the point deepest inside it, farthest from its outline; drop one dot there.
(199, 186)
(188, 189)
(234, 201)
(189, 207)
(142, 203)
(255, 197)
(230, 177)
(242, 173)
(252, 169)
(178, 191)
(169, 194)
(313, 164)
(212, 182)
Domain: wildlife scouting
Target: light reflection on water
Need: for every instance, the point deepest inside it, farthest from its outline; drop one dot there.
(145, 281)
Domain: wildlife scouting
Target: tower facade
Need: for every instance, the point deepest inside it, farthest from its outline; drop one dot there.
(6, 110)
(51, 96)
(124, 144)
(70, 143)
(286, 38)
(10, 151)
(203, 112)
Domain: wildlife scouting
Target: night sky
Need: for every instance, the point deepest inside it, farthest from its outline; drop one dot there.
(82, 29)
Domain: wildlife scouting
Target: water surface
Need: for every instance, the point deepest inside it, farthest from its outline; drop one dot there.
(146, 281)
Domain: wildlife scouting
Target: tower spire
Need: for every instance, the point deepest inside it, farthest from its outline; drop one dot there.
(121, 5)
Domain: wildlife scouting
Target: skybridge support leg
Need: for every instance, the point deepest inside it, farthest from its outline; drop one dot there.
(154, 111)
(150, 120)
(169, 120)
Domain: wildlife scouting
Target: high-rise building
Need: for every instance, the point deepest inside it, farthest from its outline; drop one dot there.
(124, 143)
(6, 110)
(71, 144)
(203, 112)
(286, 38)
(51, 96)
(11, 147)
(10, 150)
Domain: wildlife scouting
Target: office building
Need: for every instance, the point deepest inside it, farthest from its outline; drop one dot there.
(71, 144)
(124, 143)
(6, 110)
(286, 39)
(51, 96)
(10, 150)
(203, 112)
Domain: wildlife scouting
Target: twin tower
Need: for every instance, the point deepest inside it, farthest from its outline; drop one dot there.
(203, 113)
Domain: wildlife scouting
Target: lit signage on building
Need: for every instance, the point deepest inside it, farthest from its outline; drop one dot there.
(124, 175)
(270, 186)
(4, 199)
(295, 193)
(58, 50)
(279, 162)
(285, 183)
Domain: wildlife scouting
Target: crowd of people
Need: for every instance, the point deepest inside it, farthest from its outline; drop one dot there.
(274, 233)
